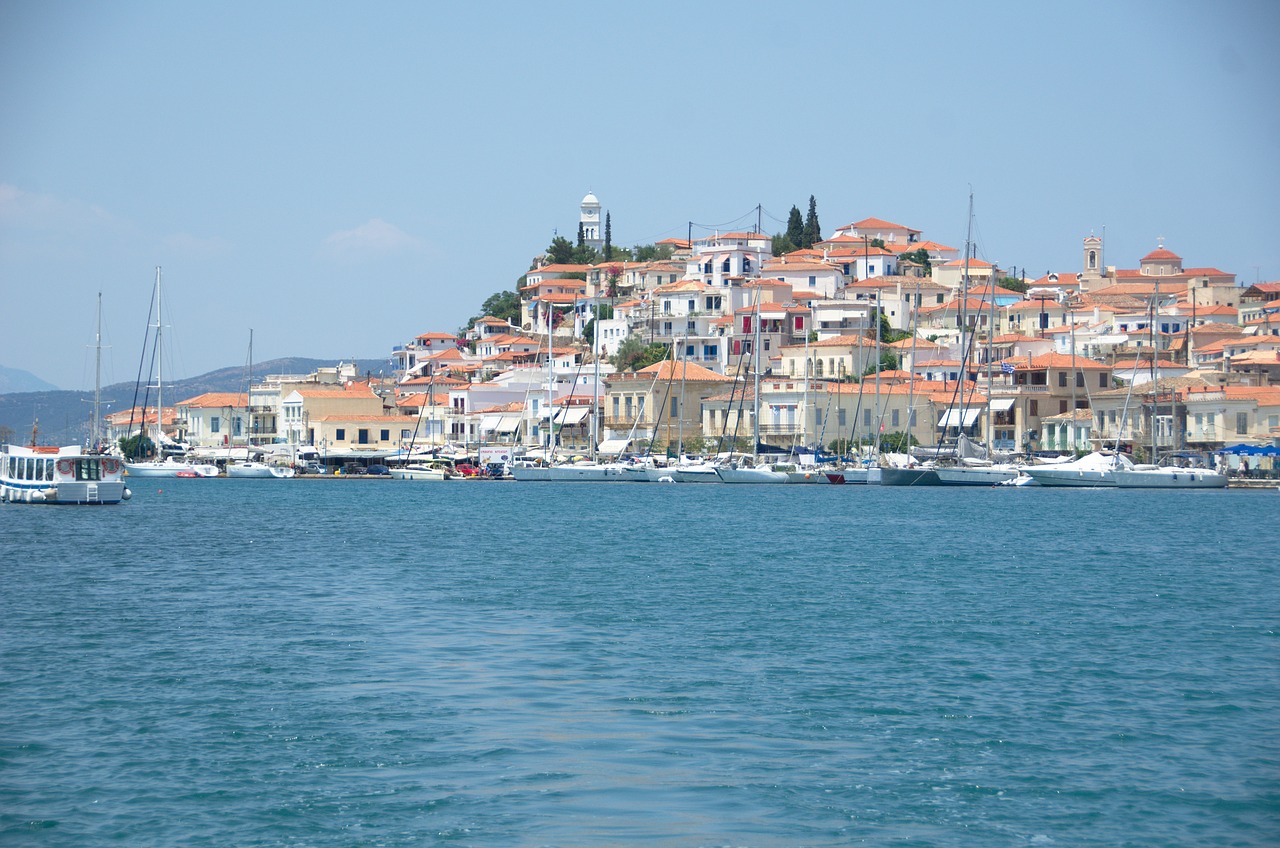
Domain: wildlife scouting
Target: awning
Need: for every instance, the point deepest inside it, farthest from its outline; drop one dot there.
(1002, 404)
(572, 415)
(952, 418)
(490, 422)
(613, 446)
(509, 424)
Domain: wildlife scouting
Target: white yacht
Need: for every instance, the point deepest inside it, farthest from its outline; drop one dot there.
(1095, 469)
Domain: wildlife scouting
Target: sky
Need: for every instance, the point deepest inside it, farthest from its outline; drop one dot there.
(340, 177)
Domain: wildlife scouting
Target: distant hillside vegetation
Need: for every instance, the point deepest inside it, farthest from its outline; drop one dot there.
(64, 416)
(17, 380)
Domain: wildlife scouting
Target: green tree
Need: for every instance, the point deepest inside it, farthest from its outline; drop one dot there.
(582, 234)
(608, 237)
(877, 242)
(1013, 284)
(651, 252)
(504, 305)
(634, 353)
(560, 252)
(897, 442)
(795, 229)
(585, 254)
(888, 362)
(812, 229)
(139, 446)
(919, 257)
(780, 245)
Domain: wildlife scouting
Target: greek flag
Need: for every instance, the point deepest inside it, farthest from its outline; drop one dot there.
(1007, 367)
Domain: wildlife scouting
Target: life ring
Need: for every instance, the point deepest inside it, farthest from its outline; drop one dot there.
(111, 466)
(65, 466)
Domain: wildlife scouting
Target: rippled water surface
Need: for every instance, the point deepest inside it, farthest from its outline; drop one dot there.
(384, 663)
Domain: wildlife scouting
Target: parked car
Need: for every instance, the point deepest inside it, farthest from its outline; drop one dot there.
(311, 468)
(378, 470)
(466, 469)
(353, 468)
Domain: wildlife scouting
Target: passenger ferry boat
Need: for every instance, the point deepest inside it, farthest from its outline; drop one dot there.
(56, 475)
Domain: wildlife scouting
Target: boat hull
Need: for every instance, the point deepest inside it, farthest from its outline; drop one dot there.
(258, 470)
(909, 477)
(428, 474)
(751, 475)
(170, 469)
(1080, 479)
(1169, 478)
(568, 473)
(44, 475)
(978, 476)
(695, 474)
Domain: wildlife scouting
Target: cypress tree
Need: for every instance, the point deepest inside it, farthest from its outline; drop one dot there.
(582, 235)
(812, 231)
(795, 228)
(608, 237)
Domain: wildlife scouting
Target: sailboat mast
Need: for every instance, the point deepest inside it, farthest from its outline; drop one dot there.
(755, 406)
(551, 418)
(96, 430)
(248, 400)
(159, 368)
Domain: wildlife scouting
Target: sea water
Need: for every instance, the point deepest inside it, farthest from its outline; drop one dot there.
(394, 663)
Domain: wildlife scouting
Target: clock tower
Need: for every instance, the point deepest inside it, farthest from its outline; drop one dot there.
(589, 221)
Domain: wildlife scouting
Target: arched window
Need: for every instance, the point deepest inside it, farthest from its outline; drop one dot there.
(1093, 259)
(817, 366)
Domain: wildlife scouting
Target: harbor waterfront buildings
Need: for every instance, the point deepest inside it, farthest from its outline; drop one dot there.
(872, 331)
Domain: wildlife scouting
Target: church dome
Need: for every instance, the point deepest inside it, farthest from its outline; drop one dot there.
(590, 200)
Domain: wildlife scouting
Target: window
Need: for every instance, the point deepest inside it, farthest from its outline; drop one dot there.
(215, 424)
(1102, 380)
(1062, 379)
(710, 351)
(1062, 406)
(616, 400)
(340, 434)
(237, 424)
(813, 281)
(689, 351)
(840, 417)
(666, 307)
(384, 435)
(1242, 423)
(1079, 379)
(866, 418)
(693, 306)
(406, 434)
(893, 418)
(1211, 421)
(1033, 407)
(675, 407)
(362, 436)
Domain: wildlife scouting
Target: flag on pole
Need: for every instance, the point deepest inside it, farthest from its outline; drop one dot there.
(1007, 367)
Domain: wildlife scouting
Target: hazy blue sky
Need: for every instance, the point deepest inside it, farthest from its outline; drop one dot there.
(341, 177)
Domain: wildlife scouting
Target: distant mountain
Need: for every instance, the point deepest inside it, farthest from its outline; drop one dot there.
(15, 380)
(64, 416)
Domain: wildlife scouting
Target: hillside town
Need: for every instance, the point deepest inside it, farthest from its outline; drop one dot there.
(873, 332)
